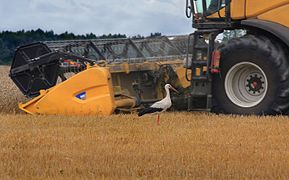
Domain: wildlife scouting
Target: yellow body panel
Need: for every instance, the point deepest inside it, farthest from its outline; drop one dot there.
(238, 9)
(255, 8)
(278, 15)
(275, 11)
(63, 99)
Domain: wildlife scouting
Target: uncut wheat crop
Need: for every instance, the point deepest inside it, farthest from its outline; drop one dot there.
(10, 95)
(185, 145)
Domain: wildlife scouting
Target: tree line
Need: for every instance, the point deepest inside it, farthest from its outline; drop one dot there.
(9, 40)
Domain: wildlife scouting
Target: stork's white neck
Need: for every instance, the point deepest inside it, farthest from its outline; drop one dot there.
(168, 93)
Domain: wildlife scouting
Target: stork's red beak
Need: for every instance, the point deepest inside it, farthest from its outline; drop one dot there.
(174, 89)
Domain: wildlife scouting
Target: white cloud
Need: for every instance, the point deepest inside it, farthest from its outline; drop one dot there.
(98, 16)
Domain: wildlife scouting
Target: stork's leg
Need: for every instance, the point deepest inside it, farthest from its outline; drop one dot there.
(158, 120)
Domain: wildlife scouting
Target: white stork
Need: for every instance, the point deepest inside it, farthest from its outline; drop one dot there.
(160, 106)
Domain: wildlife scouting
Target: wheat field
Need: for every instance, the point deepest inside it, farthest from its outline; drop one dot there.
(184, 146)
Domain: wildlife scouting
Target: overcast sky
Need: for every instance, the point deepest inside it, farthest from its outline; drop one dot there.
(129, 17)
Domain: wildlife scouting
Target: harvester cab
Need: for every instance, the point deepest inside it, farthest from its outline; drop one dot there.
(209, 13)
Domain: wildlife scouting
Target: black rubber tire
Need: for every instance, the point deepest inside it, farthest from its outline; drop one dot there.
(270, 57)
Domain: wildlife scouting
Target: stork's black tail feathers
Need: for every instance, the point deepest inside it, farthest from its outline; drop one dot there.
(149, 110)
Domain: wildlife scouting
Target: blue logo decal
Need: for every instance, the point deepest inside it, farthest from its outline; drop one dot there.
(81, 96)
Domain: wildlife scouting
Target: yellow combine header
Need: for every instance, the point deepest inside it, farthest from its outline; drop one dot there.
(98, 77)
(88, 93)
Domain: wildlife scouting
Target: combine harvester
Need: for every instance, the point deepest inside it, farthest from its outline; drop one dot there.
(246, 75)
(101, 76)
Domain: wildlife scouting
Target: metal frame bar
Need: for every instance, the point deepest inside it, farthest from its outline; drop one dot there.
(132, 48)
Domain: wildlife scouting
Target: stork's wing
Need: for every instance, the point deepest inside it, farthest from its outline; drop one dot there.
(163, 104)
(158, 104)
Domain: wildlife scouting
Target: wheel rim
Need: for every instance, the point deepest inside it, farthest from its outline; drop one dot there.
(246, 84)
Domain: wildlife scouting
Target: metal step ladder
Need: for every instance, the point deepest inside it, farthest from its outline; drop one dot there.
(200, 98)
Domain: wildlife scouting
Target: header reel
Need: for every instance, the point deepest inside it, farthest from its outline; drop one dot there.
(35, 67)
